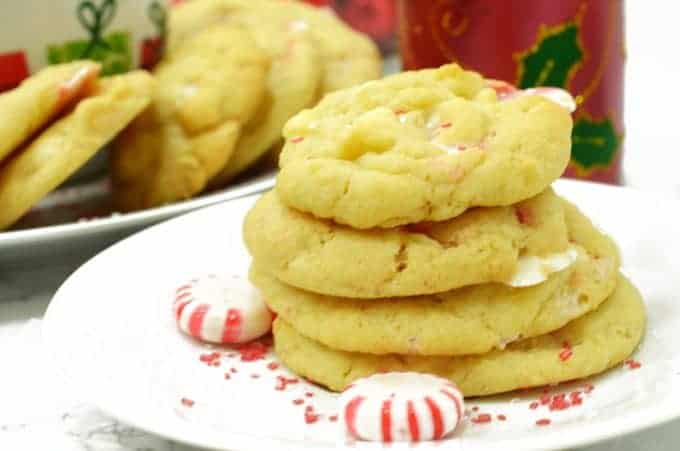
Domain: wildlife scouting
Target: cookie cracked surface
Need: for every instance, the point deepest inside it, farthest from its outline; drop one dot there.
(420, 146)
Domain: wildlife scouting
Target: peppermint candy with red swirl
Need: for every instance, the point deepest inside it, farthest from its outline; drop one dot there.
(401, 407)
(221, 309)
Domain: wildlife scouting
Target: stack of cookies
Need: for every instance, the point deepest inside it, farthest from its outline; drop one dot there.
(234, 72)
(413, 228)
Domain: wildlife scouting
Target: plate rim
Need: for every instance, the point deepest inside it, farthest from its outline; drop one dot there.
(140, 218)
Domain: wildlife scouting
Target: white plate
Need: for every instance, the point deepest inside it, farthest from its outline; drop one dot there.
(111, 327)
(51, 241)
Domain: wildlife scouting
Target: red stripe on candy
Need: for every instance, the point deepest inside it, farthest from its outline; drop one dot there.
(196, 320)
(351, 415)
(232, 326)
(181, 297)
(412, 422)
(180, 308)
(182, 288)
(456, 401)
(437, 421)
(386, 420)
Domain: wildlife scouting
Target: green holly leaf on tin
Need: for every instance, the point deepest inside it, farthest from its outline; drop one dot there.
(551, 60)
(594, 143)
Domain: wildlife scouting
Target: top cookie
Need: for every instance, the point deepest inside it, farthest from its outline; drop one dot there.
(420, 146)
(348, 58)
(28, 108)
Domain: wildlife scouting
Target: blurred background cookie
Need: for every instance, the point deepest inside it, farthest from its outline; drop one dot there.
(25, 110)
(121, 35)
(294, 77)
(207, 90)
(56, 153)
(293, 34)
(348, 57)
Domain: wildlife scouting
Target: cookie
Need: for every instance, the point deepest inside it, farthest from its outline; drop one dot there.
(40, 98)
(292, 84)
(420, 146)
(348, 57)
(470, 320)
(598, 341)
(62, 148)
(207, 89)
(480, 246)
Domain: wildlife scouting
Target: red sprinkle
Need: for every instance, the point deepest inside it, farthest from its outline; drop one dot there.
(399, 111)
(233, 370)
(475, 408)
(543, 422)
(211, 359)
(524, 215)
(298, 401)
(544, 399)
(565, 354)
(254, 375)
(575, 398)
(311, 417)
(253, 351)
(309, 394)
(588, 388)
(559, 402)
(502, 417)
(333, 418)
(632, 364)
(445, 125)
(273, 366)
(187, 402)
(534, 405)
(482, 418)
(297, 139)
(227, 376)
(282, 382)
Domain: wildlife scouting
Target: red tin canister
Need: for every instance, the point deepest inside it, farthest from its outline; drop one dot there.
(574, 44)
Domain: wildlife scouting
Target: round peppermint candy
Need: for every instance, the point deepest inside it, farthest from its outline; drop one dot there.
(401, 407)
(221, 309)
